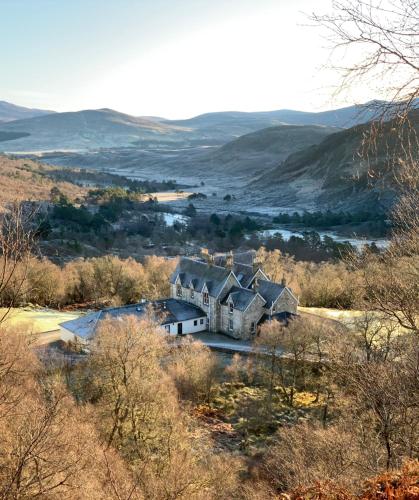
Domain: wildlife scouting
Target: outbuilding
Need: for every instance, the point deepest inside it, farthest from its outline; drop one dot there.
(176, 316)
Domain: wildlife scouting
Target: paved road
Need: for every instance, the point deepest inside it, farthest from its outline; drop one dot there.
(220, 342)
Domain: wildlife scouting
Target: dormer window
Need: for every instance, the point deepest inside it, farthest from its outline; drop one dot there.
(179, 290)
(230, 307)
(205, 298)
(192, 293)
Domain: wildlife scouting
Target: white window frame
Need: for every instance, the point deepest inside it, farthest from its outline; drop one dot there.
(253, 327)
(205, 298)
(230, 307)
(179, 291)
(230, 324)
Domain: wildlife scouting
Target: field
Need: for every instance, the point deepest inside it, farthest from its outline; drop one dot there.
(165, 197)
(43, 323)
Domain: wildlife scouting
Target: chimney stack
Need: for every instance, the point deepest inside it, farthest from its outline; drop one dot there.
(229, 260)
(283, 281)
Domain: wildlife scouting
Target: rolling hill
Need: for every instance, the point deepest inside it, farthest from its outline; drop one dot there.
(89, 129)
(10, 112)
(241, 123)
(332, 173)
(105, 128)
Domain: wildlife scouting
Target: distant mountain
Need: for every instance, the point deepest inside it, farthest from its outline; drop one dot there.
(90, 129)
(105, 128)
(238, 121)
(333, 174)
(10, 112)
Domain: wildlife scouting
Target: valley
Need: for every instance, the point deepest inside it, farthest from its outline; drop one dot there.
(263, 164)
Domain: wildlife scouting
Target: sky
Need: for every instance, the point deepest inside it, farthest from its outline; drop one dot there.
(170, 58)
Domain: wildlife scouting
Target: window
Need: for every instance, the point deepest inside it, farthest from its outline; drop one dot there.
(253, 327)
(230, 307)
(192, 293)
(167, 327)
(205, 298)
(195, 323)
(230, 324)
(179, 290)
(201, 321)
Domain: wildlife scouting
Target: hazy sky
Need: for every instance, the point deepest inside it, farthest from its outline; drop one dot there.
(172, 58)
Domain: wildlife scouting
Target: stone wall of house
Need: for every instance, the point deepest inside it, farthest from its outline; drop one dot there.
(286, 302)
(242, 320)
(226, 316)
(252, 314)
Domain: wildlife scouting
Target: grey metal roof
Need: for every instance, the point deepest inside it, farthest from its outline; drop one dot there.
(166, 311)
(83, 326)
(242, 297)
(270, 291)
(200, 274)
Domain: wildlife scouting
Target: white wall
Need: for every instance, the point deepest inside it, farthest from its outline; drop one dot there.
(188, 326)
(68, 336)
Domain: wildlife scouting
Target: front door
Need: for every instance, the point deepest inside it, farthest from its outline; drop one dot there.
(179, 328)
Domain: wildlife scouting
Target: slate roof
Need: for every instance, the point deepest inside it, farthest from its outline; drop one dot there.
(246, 258)
(244, 274)
(283, 317)
(168, 311)
(241, 297)
(270, 291)
(199, 274)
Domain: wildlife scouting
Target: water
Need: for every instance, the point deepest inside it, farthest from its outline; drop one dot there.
(354, 241)
(170, 219)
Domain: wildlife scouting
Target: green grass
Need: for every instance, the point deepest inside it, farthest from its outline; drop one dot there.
(37, 320)
(344, 316)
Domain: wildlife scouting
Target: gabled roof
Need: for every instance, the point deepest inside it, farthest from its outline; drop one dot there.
(241, 297)
(201, 274)
(270, 291)
(166, 311)
(244, 274)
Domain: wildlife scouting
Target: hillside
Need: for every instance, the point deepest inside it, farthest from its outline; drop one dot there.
(88, 129)
(241, 123)
(332, 174)
(23, 179)
(265, 148)
(105, 128)
(10, 112)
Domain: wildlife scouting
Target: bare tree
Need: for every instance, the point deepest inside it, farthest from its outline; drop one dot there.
(381, 36)
(17, 237)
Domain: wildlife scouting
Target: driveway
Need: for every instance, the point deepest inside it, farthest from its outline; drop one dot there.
(223, 343)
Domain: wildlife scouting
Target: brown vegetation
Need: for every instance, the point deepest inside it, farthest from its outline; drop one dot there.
(23, 179)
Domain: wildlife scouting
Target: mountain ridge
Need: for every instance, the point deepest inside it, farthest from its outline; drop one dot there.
(11, 112)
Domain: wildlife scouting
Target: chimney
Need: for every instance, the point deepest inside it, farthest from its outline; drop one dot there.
(256, 285)
(207, 257)
(255, 264)
(229, 260)
(283, 281)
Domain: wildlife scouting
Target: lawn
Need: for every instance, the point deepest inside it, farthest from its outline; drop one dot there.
(344, 316)
(37, 320)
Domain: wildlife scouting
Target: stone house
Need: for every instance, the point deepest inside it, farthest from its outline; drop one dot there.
(235, 297)
(232, 298)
